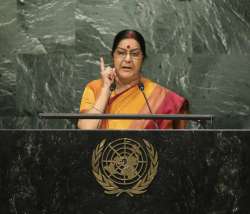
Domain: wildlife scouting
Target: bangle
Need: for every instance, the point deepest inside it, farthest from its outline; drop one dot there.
(93, 106)
(97, 109)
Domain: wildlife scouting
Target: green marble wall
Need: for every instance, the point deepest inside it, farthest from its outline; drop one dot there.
(49, 49)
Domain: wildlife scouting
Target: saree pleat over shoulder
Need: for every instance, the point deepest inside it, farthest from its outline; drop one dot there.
(132, 101)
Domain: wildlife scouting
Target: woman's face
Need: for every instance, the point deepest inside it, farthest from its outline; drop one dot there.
(128, 59)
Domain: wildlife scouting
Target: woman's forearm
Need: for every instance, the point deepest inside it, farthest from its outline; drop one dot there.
(98, 108)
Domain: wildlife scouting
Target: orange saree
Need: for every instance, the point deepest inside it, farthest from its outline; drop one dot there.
(132, 101)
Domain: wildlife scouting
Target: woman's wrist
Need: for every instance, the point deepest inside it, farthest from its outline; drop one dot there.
(105, 90)
(97, 109)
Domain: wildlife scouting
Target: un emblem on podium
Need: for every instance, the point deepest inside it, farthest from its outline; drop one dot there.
(124, 166)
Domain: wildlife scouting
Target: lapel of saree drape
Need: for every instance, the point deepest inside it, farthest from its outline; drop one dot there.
(132, 101)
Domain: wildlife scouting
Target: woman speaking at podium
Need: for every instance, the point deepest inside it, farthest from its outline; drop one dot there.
(122, 89)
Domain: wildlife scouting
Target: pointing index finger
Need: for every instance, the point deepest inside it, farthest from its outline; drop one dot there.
(102, 66)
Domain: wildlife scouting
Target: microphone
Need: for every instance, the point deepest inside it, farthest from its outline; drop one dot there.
(141, 88)
(112, 86)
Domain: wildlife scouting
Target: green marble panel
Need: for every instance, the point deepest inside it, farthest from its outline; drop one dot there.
(220, 27)
(49, 50)
(49, 23)
(8, 44)
(45, 83)
(219, 84)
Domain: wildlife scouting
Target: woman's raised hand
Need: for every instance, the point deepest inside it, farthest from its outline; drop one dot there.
(107, 74)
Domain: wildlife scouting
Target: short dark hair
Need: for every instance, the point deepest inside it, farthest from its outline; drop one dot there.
(129, 34)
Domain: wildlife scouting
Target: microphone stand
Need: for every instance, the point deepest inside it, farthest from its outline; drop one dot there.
(141, 87)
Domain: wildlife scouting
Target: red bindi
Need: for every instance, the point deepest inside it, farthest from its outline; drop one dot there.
(128, 46)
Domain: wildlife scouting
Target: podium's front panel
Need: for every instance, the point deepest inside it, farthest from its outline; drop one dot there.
(105, 172)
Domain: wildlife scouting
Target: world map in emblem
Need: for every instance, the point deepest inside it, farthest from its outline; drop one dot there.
(124, 161)
(124, 165)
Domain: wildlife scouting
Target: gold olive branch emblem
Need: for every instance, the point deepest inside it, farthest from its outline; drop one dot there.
(110, 187)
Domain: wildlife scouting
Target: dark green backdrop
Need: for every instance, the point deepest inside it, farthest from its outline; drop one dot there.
(49, 49)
